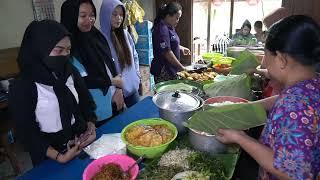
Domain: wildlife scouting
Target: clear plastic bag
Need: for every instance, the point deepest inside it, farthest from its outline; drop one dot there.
(105, 145)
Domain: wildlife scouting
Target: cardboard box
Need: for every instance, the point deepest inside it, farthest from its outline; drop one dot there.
(145, 72)
(147, 80)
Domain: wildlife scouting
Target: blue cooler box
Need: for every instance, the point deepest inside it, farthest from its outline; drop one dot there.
(145, 56)
(144, 28)
(144, 42)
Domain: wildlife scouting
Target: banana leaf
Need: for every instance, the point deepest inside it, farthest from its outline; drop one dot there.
(237, 86)
(221, 77)
(234, 116)
(245, 61)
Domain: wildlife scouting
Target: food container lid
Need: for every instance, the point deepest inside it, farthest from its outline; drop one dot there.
(185, 86)
(176, 101)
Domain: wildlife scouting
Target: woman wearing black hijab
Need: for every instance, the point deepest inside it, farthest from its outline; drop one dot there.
(51, 106)
(92, 57)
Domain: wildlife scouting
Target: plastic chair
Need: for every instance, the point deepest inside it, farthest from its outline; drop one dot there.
(220, 44)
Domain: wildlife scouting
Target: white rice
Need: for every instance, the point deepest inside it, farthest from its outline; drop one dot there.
(223, 103)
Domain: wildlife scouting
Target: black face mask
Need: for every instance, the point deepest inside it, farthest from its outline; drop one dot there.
(57, 64)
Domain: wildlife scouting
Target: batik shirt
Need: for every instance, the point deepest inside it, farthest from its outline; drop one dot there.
(292, 132)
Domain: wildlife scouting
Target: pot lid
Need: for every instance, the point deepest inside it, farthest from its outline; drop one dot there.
(184, 86)
(176, 101)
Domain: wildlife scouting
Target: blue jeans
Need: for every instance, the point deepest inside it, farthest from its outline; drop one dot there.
(132, 99)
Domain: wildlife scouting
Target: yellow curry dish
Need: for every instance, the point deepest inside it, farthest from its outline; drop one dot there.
(149, 135)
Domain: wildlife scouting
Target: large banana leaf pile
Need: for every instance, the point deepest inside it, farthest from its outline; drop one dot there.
(245, 61)
(239, 116)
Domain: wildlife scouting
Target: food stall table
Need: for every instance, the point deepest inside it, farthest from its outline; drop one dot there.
(73, 170)
(50, 169)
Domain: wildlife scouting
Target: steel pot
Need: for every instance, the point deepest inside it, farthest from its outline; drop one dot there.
(177, 107)
(205, 142)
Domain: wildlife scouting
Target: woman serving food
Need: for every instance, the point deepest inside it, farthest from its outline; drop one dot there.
(166, 44)
(289, 144)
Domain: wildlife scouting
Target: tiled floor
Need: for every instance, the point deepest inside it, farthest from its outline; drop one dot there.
(6, 171)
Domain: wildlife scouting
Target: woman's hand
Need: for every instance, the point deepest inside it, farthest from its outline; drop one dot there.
(117, 81)
(185, 50)
(229, 136)
(91, 127)
(172, 59)
(258, 70)
(90, 135)
(71, 153)
(182, 69)
(118, 99)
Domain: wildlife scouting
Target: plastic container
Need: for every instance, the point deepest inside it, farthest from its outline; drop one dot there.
(210, 56)
(223, 60)
(123, 160)
(149, 152)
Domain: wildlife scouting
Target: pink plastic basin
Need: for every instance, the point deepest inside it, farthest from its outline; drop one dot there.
(123, 160)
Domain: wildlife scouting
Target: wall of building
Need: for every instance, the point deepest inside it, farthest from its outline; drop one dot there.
(149, 7)
(15, 15)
